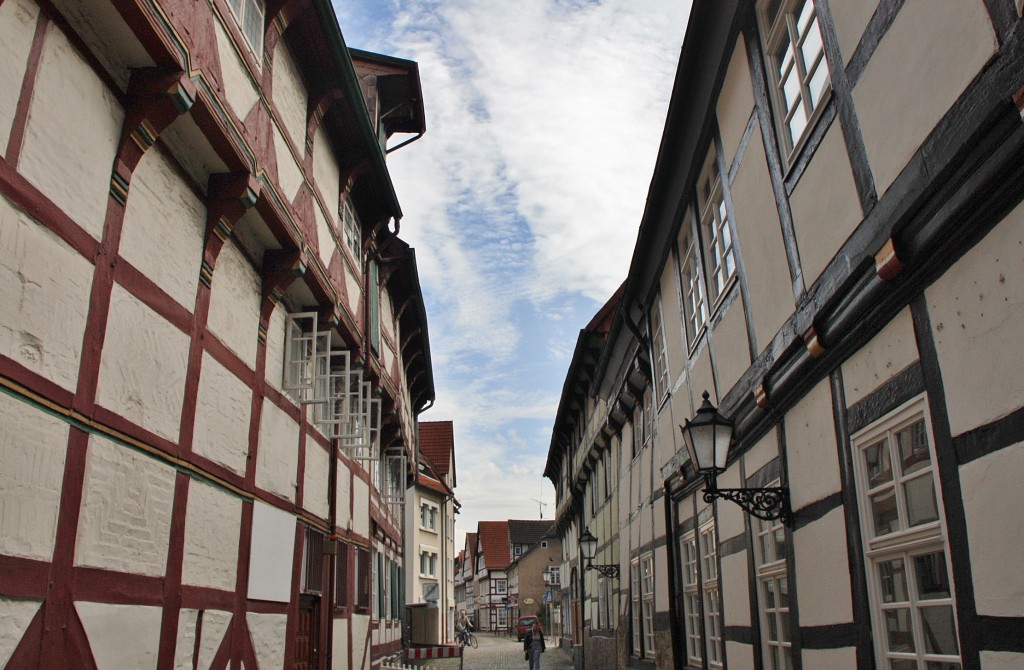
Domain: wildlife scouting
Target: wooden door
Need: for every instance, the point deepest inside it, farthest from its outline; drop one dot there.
(307, 637)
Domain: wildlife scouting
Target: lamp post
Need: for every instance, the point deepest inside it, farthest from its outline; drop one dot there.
(708, 438)
(588, 547)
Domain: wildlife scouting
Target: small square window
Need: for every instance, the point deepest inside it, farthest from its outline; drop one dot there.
(249, 17)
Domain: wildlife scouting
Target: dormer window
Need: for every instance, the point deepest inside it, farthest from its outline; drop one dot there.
(249, 16)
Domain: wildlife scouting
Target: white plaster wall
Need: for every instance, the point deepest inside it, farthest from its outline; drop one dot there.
(813, 459)
(274, 372)
(914, 77)
(268, 632)
(325, 241)
(342, 490)
(836, 659)
(761, 453)
(17, 28)
(42, 313)
(361, 507)
(223, 409)
(730, 515)
(122, 637)
(735, 591)
(825, 205)
(1001, 660)
(125, 520)
(823, 571)
(163, 213)
(289, 176)
(212, 522)
(239, 87)
(741, 656)
(735, 102)
(360, 638)
(353, 289)
(142, 371)
(185, 645)
(215, 627)
(278, 460)
(732, 349)
(992, 501)
(339, 631)
(850, 20)
(760, 234)
(701, 379)
(290, 95)
(15, 617)
(673, 327)
(235, 303)
(326, 173)
(977, 313)
(887, 354)
(74, 123)
(316, 494)
(271, 553)
(32, 449)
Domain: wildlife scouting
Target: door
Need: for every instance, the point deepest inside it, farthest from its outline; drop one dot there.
(307, 636)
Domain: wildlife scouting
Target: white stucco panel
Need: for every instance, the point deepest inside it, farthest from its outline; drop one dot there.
(735, 102)
(32, 449)
(143, 368)
(1001, 660)
(315, 488)
(823, 571)
(290, 96)
(185, 645)
(212, 521)
(339, 631)
(740, 655)
(978, 306)
(235, 303)
(360, 507)
(813, 458)
(15, 617)
(278, 460)
(326, 173)
(74, 124)
(268, 638)
(215, 627)
(992, 499)
(122, 637)
(735, 590)
(845, 657)
(17, 28)
(360, 639)
(42, 313)
(223, 409)
(342, 493)
(125, 520)
(353, 289)
(271, 553)
(164, 213)
(239, 87)
(888, 353)
(325, 240)
(289, 175)
(274, 372)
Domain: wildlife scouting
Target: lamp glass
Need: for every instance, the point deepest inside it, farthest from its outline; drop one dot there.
(708, 438)
(588, 544)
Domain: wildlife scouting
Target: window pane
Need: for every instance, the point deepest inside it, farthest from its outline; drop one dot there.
(900, 664)
(932, 579)
(790, 87)
(806, 12)
(797, 124)
(897, 627)
(780, 542)
(884, 512)
(942, 665)
(769, 595)
(784, 626)
(939, 630)
(913, 447)
(812, 44)
(879, 466)
(783, 593)
(893, 576)
(920, 496)
(816, 84)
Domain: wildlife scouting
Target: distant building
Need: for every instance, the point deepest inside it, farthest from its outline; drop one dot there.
(831, 249)
(491, 577)
(534, 578)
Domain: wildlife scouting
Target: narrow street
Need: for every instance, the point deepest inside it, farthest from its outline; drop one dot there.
(501, 653)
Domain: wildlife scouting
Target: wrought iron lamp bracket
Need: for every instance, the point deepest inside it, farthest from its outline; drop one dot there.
(610, 571)
(768, 504)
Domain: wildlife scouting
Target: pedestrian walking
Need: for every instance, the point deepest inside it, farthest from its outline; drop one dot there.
(533, 646)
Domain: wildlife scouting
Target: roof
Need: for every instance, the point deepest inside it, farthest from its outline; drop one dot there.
(528, 532)
(471, 545)
(494, 541)
(437, 444)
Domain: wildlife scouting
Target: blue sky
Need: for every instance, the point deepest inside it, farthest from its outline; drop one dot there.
(523, 201)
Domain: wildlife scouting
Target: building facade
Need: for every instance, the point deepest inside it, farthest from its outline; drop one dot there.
(831, 251)
(534, 577)
(213, 346)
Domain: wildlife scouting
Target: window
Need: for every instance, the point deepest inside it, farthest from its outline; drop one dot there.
(517, 551)
(773, 592)
(647, 606)
(691, 598)
(553, 575)
(312, 563)
(502, 618)
(428, 516)
(363, 579)
(913, 607)
(341, 587)
(719, 257)
(658, 349)
(695, 311)
(428, 563)
(500, 586)
(351, 228)
(796, 66)
(249, 16)
(635, 610)
(711, 594)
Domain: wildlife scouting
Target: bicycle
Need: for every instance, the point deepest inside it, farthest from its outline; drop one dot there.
(466, 637)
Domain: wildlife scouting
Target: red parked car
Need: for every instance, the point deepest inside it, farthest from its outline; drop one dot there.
(525, 624)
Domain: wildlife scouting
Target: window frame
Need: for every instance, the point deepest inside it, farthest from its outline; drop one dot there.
(692, 607)
(771, 568)
(240, 13)
(907, 543)
(714, 222)
(693, 293)
(647, 604)
(659, 349)
(711, 594)
(636, 619)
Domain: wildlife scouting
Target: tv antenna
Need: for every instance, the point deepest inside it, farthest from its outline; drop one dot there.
(540, 505)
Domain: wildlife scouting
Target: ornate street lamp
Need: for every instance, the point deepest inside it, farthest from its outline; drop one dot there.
(708, 438)
(588, 547)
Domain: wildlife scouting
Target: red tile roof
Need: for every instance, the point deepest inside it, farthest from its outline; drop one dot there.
(437, 444)
(494, 540)
(471, 546)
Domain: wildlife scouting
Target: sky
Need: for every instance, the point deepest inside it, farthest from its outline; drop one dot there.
(522, 200)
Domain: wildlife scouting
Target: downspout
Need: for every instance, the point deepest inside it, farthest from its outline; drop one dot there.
(332, 576)
(670, 547)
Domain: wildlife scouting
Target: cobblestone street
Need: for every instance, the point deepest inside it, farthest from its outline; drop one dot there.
(501, 653)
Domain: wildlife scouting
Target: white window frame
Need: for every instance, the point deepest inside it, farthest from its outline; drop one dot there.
(906, 544)
(352, 230)
(659, 350)
(711, 594)
(249, 16)
(502, 618)
(647, 604)
(428, 559)
(500, 586)
(428, 516)
(692, 610)
(772, 584)
(635, 611)
(695, 306)
(716, 232)
(794, 28)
